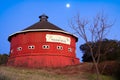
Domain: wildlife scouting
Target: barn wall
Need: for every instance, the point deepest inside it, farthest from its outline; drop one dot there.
(38, 56)
(42, 61)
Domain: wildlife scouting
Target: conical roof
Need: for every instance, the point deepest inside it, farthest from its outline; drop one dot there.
(42, 25)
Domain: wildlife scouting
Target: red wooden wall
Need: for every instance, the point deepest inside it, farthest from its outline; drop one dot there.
(39, 57)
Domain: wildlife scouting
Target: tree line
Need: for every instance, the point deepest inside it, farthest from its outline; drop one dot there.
(3, 59)
(109, 50)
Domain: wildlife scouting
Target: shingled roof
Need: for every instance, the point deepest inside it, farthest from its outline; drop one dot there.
(42, 25)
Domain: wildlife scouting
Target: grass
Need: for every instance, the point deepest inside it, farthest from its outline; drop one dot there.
(10, 73)
(3, 77)
(68, 73)
(103, 77)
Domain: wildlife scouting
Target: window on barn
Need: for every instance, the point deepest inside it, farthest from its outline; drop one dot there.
(11, 51)
(19, 48)
(45, 46)
(31, 47)
(59, 47)
(70, 49)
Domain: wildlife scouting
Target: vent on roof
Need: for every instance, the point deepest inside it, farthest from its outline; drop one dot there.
(43, 17)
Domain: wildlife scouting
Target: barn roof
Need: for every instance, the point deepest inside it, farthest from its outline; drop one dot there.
(42, 25)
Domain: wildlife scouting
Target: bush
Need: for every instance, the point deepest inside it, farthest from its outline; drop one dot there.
(111, 68)
(3, 58)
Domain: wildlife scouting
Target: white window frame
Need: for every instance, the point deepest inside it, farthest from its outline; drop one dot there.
(46, 46)
(31, 47)
(11, 51)
(60, 47)
(19, 48)
(70, 49)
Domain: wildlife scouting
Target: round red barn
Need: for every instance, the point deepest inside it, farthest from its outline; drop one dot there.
(42, 45)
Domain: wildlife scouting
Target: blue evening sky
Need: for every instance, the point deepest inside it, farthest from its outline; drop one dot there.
(16, 15)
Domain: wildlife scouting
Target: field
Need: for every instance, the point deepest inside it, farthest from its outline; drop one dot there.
(78, 72)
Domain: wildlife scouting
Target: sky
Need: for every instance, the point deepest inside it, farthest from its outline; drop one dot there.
(16, 15)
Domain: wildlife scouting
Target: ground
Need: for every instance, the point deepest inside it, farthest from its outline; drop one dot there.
(78, 72)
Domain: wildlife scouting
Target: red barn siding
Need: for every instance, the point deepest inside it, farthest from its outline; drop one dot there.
(39, 57)
(43, 61)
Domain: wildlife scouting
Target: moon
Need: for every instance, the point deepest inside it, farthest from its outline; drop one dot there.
(68, 5)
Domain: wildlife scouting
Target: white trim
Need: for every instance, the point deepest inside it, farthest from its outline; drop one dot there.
(33, 30)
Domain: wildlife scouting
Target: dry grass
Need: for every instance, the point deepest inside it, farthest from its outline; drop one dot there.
(78, 72)
(10, 73)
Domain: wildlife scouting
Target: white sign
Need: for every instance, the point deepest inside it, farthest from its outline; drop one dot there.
(57, 38)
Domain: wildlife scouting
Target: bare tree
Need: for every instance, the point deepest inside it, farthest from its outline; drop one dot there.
(92, 31)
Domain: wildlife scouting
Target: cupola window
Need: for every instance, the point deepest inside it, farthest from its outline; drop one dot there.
(43, 17)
